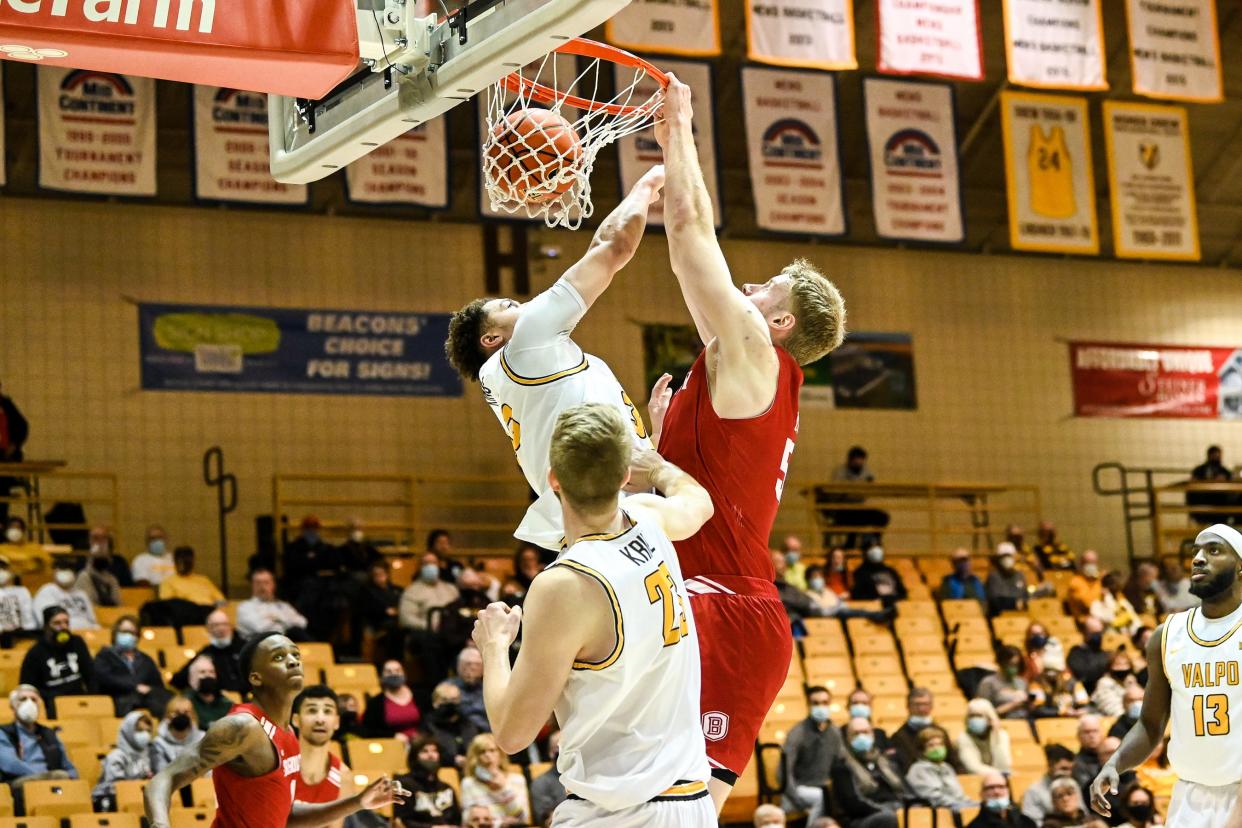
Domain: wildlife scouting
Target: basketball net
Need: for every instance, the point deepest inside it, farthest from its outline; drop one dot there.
(545, 181)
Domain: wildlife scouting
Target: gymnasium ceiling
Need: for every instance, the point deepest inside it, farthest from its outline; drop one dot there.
(1216, 142)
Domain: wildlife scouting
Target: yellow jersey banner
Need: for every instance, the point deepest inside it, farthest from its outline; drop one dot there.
(687, 27)
(1175, 49)
(810, 34)
(1055, 45)
(1048, 173)
(1151, 181)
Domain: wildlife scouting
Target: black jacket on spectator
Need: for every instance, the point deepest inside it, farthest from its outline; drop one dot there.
(53, 752)
(119, 677)
(1122, 726)
(456, 621)
(905, 751)
(452, 731)
(1087, 665)
(357, 557)
(373, 605)
(1087, 766)
(59, 671)
(304, 559)
(1012, 818)
(228, 670)
(430, 803)
(17, 427)
(868, 576)
(883, 790)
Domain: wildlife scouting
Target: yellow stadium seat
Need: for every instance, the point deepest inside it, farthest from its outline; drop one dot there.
(1020, 781)
(967, 815)
(1027, 757)
(191, 817)
(85, 707)
(6, 801)
(970, 783)
(792, 688)
(788, 709)
(378, 756)
(195, 638)
(922, 644)
(109, 727)
(95, 640)
(105, 821)
(824, 646)
(907, 625)
(1060, 731)
(918, 609)
(88, 759)
(11, 658)
(922, 663)
(926, 818)
(135, 596)
(954, 611)
(202, 795)
(876, 665)
(78, 732)
(537, 769)
(361, 677)
(1015, 622)
(969, 626)
(889, 707)
(361, 780)
(174, 658)
(1044, 609)
(973, 643)
(875, 644)
(57, 797)
(775, 730)
(887, 686)
(108, 616)
(742, 802)
(129, 796)
(316, 655)
(29, 822)
(826, 669)
(1019, 730)
(160, 637)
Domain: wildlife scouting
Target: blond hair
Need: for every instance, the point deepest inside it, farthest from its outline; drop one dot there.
(819, 313)
(590, 455)
(482, 742)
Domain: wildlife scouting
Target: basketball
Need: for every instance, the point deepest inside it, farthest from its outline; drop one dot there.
(534, 150)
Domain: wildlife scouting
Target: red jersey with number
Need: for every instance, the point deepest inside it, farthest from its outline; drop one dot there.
(741, 463)
(328, 789)
(259, 801)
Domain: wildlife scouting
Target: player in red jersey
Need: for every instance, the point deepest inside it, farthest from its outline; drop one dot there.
(255, 756)
(323, 776)
(732, 427)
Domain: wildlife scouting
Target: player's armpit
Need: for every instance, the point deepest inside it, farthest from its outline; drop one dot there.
(681, 516)
(224, 741)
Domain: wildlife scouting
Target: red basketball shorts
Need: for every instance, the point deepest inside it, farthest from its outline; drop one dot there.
(745, 646)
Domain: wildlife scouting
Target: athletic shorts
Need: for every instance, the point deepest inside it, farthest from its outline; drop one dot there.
(1201, 806)
(691, 811)
(745, 646)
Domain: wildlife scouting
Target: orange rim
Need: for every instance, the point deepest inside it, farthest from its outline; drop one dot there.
(519, 85)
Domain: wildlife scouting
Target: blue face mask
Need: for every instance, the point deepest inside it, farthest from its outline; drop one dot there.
(791, 558)
(862, 743)
(156, 546)
(920, 722)
(1134, 709)
(311, 537)
(429, 573)
(815, 584)
(126, 640)
(860, 711)
(977, 725)
(820, 712)
(997, 804)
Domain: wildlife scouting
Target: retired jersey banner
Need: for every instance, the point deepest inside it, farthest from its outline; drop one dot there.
(639, 152)
(1122, 379)
(1175, 49)
(922, 37)
(412, 169)
(684, 27)
(791, 135)
(230, 149)
(1151, 181)
(96, 132)
(810, 34)
(915, 187)
(1048, 173)
(1057, 45)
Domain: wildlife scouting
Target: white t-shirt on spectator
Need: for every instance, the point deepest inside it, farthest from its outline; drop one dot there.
(152, 568)
(75, 601)
(255, 616)
(16, 609)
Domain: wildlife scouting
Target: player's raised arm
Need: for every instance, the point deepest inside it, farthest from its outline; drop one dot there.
(685, 505)
(225, 740)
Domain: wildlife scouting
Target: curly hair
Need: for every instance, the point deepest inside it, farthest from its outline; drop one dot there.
(462, 348)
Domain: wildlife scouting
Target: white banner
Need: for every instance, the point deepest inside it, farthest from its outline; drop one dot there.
(791, 136)
(1048, 173)
(3, 165)
(639, 152)
(413, 169)
(1151, 181)
(1175, 49)
(685, 27)
(96, 132)
(930, 37)
(1057, 45)
(811, 34)
(915, 186)
(230, 149)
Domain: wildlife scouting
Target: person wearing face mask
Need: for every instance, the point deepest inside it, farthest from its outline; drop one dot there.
(905, 739)
(223, 648)
(176, 734)
(25, 556)
(1086, 586)
(854, 471)
(1109, 696)
(1007, 690)
(102, 545)
(877, 580)
(1138, 807)
(984, 744)
(931, 777)
(426, 592)
(867, 788)
(154, 564)
(306, 557)
(16, 606)
(859, 707)
(431, 803)
(128, 675)
(1088, 661)
(488, 779)
(59, 664)
(376, 612)
(445, 723)
(1067, 808)
(793, 567)
(810, 749)
(129, 760)
(357, 554)
(204, 693)
(97, 582)
(998, 811)
(1037, 800)
(1006, 588)
(961, 582)
(393, 711)
(28, 750)
(62, 592)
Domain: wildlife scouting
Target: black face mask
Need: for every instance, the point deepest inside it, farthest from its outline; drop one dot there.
(448, 710)
(1141, 813)
(179, 722)
(1094, 640)
(427, 766)
(349, 718)
(1120, 675)
(100, 564)
(209, 686)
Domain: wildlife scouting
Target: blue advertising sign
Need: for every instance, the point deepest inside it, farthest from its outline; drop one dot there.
(294, 351)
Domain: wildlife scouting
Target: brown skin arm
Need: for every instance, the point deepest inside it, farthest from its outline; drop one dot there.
(381, 792)
(236, 740)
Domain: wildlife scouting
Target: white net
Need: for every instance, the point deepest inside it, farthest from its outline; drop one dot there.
(539, 148)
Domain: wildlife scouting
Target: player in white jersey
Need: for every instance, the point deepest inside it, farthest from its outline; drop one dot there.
(1193, 676)
(609, 643)
(529, 367)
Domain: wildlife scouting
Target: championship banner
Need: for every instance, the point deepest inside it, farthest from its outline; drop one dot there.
(639, 152)
(915, 187)
(809, 34)
(1056, 45)
(795, 165)
(1175, 50)
(1048, 173)
(231, 150)
(685, 27)
(1151, 181)
(96, 132)
(290, 351)
(1122, 379)
(413, 169)
(939, 38)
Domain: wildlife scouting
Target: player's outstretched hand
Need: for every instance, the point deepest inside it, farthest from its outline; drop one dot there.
(1104, 784)
(383, 792)
(497, 623)
(653, 182)
(661, 395)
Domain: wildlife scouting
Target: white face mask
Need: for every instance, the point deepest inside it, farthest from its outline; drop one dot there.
(14, 535)
(357, 535)
(5, 577)
(27, 711)
(65, 578)
(142, 740)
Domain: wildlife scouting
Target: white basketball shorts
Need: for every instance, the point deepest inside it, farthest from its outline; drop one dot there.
(1200, 806)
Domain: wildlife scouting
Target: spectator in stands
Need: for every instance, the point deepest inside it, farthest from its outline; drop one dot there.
(16, 605)
(794, 568)
(97, 581)
(877, 580)
(1155, 774)
(1113, 608)
(469, 681)
(306, 556)
(427, 592)
(1140, 589)
(153, 564)
(961, 582)
(357, 554)
(393, 711)
(984, 745)
(177, 733)
(1085, 588)
(128, 675)
(859, 703)
(1107, 748)
(837, 573)
(184, 584)
(223, 648)
(1006, 690)
(103, 545)
(811, 748)
(999, 810)
(61, 592)
(1212, 470)
(263, 611)
(1087, 661)
(1173, 587)
(931, 777)
(445, 723)
(1056, 693)
(350, 716)
(205, 692)
(821, 603)
(1138, 655)
(528, 561)
(1087, 761)
(431, 802)
(1109, 696)
(488, 780)
(1052, 552)
(14, 430)
(904, 741)
(1037, 801)
(1067, 808)
(58, 664)
(1041, 650)
(1006, 588)
(546, 790)
(1132, 700)
(479, 816)
(30, 751)
(855, 471)
(768, 816)
(1016, 535)
(376, 611)
(129, 760)
(25, 556)
(867, 787)
(1138, 807)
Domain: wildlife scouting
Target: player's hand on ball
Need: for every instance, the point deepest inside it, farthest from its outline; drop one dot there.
(1104, 784)
(383, 792)
(497, 624)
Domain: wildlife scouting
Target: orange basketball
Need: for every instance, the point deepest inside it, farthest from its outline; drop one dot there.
(535, 151)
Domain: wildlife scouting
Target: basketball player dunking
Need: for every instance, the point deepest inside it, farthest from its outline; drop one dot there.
(323, 776)
(732, 427)
(608, 644)
(1193, 676)
(253, 755)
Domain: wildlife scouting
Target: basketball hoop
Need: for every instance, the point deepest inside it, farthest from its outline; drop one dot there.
(545, 128)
